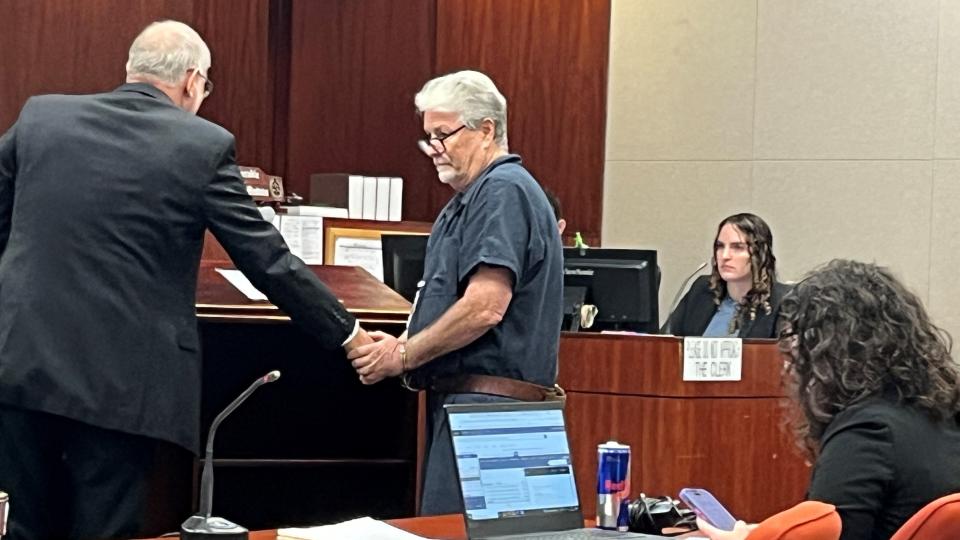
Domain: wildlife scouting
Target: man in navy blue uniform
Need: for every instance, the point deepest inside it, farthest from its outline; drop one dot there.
(486, 321)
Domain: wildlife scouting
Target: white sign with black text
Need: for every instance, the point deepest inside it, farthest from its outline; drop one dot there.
(712, 359)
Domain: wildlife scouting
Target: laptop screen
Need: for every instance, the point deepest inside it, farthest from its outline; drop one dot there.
(512, 463)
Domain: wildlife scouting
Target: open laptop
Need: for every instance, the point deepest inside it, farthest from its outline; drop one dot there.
(515, 472)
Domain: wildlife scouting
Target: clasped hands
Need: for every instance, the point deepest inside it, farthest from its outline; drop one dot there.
(378, 360)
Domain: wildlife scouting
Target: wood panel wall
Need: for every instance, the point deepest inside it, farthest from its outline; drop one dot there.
(354, 69)
(80, 46)
(549, 58)
(327, 85)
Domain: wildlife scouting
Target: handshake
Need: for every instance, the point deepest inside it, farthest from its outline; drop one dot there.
(377, 355)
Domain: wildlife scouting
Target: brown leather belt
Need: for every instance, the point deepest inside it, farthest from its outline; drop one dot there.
(497, 386)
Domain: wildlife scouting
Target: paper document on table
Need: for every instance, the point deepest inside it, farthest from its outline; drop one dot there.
(240, 281)
(366, 253)
(304, 237)
(365, 527)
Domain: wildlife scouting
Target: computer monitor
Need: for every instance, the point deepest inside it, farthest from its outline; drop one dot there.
(403, 262)
(622, 284)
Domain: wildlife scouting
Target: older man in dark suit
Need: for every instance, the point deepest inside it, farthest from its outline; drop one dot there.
(104, 200)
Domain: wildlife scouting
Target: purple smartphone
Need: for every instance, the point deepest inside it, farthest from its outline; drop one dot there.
(707, 508)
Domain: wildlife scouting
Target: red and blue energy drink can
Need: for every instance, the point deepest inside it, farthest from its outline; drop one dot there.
(613, 481)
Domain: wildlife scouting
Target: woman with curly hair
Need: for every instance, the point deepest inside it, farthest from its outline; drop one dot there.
(874, 398)
(741, 295)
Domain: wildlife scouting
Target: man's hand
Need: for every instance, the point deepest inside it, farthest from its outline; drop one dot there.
(362, 338)
(378, 360)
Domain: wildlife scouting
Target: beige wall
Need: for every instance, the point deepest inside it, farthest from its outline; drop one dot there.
(836, 121)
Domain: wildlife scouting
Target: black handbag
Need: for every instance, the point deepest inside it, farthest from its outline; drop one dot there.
(650, 515)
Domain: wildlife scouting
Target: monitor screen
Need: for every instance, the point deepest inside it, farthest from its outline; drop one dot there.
(403, 256)
(622, 284)
(513, 463)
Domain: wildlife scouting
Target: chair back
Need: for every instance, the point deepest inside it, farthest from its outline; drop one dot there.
(809, 520)
(937, 520)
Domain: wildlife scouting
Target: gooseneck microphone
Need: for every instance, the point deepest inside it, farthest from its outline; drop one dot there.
(676, 298)
(201, 525)
(4, 512)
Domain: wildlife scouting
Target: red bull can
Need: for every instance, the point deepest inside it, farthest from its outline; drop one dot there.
(613, 481)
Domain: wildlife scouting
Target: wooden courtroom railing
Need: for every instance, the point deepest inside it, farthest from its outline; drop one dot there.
(308, 448)
(722, 436)
(366, 298)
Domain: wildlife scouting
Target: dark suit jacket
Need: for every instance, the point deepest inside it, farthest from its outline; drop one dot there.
(880, 463)
(104, 200)
(694, 312)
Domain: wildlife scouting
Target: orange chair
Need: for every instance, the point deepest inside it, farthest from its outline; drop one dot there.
(809, 520)
(935, 521)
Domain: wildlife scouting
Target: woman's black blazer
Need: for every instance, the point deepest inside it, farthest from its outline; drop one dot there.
(694, 312)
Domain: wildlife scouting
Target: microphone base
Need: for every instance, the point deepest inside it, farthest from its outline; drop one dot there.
(209, 528)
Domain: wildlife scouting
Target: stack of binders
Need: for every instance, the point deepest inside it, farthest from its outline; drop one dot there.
(365, 197)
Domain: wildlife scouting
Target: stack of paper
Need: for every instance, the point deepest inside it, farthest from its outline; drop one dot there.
(316, 211)
(240, 281)
(366, 528)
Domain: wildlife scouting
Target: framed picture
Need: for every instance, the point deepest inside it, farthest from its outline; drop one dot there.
(356, 242)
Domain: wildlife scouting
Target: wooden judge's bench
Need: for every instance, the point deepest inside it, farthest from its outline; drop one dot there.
(318, 446)
(722, 436)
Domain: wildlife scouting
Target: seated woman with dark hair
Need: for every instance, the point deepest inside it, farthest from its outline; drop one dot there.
(874, 398)
(741, 295)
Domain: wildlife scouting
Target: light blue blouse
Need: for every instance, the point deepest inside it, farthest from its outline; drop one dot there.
(720, 323)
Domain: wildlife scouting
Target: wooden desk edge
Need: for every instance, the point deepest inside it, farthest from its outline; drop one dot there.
(445, 527)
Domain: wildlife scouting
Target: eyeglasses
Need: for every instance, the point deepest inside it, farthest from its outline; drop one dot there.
(434, 144)
(207, 84)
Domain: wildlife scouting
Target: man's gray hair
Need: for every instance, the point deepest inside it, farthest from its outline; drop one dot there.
(469, 93)
(165, 50)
